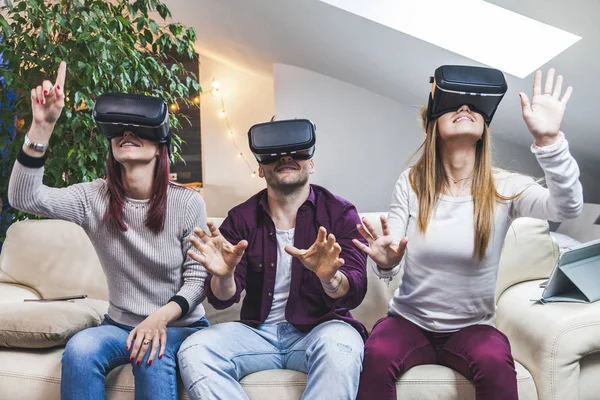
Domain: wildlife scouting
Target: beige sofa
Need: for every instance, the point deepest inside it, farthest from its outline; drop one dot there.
(557, 346)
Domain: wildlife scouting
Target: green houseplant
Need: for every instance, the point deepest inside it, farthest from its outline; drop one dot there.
(114, 46)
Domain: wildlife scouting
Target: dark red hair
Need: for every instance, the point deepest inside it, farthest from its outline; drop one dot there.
(155, 216)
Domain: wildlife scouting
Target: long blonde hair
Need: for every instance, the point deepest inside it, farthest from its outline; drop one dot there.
(427, 178)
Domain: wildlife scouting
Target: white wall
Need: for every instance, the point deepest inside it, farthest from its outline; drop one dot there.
(364, 139)
(248, 100)
(590, 180)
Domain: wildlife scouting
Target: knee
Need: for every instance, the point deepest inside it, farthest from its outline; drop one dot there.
(345, 348)
(378, 355)
(193, 347)
(197, 351)
(81, 347)
(493, 362)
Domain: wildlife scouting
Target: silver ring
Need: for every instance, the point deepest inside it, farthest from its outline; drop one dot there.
(146, 342)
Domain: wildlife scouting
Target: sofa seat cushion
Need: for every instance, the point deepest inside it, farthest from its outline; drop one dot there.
(425, 382)
(434, 382)
(35, 375)
(36, 325)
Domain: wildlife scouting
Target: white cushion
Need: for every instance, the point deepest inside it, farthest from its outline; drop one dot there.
(35, 375)
(60, 261)
(38, 325)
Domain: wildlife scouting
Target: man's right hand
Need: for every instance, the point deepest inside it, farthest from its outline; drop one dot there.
(382, 248)
(218, 256)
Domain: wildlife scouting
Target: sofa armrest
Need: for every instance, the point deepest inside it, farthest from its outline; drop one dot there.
(550, 340)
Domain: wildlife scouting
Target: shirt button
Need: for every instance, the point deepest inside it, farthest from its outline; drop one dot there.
(293, 292)
(270, 294)
(272, 265)
(270, 233)
(260, 265)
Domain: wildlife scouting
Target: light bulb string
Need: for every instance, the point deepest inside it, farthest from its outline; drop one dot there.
(230, 132)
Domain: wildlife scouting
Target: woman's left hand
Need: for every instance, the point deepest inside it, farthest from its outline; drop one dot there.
(544, 114)
(150, 334)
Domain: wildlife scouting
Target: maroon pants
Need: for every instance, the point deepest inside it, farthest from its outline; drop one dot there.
(481, 353)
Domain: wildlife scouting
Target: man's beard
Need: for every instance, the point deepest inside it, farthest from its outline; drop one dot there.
(286, 188)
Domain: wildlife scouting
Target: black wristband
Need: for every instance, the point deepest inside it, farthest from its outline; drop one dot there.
(31, 162)
(183, 303)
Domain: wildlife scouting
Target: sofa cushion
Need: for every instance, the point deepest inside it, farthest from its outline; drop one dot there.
(35, 325)
(59, 261)
(529, 253)
(425, 382)
(35, 375)
(13, 293)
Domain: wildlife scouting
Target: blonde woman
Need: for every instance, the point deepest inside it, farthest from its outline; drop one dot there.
(448, 219)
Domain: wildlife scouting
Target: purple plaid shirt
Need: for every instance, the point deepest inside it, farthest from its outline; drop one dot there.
(308, 305)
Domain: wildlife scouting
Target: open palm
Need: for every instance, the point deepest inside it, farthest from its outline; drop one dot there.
(382, 248)
(218, 256)
(544, 114)
(323, 257)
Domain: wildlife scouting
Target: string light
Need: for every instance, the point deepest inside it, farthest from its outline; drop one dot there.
(215, 85)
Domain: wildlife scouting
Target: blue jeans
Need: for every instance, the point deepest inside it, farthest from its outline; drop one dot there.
(92, 353)
(213, 361)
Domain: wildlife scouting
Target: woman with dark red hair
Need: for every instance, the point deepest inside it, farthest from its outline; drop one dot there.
(139, 224)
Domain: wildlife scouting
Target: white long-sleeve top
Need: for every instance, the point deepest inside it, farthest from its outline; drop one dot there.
(444, 288)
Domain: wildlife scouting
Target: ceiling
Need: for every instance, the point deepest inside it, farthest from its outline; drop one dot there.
(255, 34)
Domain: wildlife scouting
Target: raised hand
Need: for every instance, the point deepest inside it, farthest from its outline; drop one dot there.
(544, 114)
(382, 249)
(322, 257)
(218, 256)
(48, 99)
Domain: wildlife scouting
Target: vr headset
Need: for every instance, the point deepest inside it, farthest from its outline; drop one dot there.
(270, 141)
(146, 116)
(480, 88)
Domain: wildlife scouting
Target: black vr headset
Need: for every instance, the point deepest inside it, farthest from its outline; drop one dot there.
(270, 141)
(146, 116)
(480, 88)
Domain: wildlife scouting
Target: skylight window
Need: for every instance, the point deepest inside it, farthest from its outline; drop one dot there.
(483, 32)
